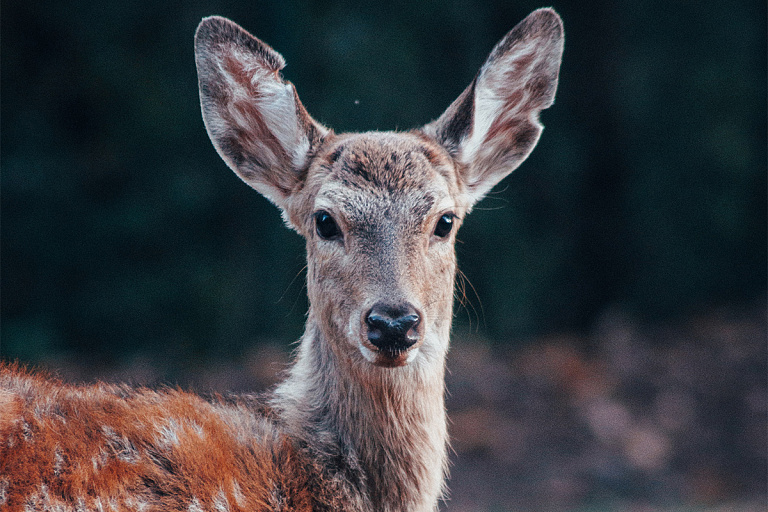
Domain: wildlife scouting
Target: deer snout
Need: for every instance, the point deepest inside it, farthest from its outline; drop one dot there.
(393, 329)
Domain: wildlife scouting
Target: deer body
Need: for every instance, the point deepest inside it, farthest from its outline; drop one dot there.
(359, 423)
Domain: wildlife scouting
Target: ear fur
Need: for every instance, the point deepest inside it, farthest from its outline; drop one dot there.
(494, 124)
(254, 118)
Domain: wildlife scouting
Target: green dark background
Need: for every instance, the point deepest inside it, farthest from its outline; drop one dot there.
(613, 348)
(122, 231)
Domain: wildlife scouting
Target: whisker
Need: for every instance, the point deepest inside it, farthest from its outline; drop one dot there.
(465, 300)
(290, 285)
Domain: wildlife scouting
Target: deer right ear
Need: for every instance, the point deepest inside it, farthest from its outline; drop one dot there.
(254, 118)
(494, 125)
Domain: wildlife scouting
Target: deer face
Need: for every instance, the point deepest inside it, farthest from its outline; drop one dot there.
(379, 211)
(380, 233)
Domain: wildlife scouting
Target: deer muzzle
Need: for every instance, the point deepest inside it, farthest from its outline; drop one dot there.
(391, 331)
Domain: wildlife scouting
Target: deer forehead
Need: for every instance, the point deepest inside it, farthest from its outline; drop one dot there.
(392, 176)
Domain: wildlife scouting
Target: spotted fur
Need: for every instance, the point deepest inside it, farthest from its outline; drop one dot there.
(354, 426)
(106, 447)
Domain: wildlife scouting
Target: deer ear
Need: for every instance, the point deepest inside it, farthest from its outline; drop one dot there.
(254, 118)
(493, 126)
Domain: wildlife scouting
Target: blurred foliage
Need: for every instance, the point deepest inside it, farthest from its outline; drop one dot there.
(122, 231)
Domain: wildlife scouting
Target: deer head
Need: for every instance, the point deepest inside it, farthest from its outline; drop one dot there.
(379, 210)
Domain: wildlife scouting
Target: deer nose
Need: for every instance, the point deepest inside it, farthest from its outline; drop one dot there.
(393, 328)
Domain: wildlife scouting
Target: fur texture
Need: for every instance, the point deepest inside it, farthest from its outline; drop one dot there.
(354, 427)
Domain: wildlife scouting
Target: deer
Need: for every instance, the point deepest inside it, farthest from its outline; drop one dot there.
(359, 422)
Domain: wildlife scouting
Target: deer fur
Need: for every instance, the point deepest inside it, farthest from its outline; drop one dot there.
(359, 422)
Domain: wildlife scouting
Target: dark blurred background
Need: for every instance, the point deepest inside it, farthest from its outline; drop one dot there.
(629, 250)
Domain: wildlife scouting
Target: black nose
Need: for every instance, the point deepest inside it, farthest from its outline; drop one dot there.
(393, 328)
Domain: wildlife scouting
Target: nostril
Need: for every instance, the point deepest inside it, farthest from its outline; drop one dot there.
(392, 328)
(377, 325)
(408, 322)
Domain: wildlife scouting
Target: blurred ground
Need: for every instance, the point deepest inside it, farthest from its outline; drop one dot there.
(652, 416)
(632, 417)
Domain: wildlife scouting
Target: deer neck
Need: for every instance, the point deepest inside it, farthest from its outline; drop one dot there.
(380, 430)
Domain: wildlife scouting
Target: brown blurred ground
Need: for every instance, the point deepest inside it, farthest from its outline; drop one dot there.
(634, 416)
(651, 416)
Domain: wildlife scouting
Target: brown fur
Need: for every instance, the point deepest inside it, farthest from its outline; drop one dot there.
(355, 426)
(99, 446)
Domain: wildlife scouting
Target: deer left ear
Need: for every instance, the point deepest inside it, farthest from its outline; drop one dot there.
(254, 118)
(494, 125)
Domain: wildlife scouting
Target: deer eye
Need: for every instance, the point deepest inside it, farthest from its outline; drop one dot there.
(326, 227)
(444, 225)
